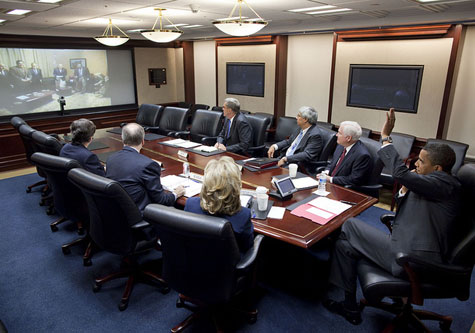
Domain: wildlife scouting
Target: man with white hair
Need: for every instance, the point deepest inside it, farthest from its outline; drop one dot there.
(351, 163)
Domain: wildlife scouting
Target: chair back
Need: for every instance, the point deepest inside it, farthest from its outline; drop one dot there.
(184, 105)
(206, 123)
(26, 135)
(271, 121)
(217, 108)
(459, 148)
(285, 127)
(149, 115)
(200, 253)
(68, 199)
(258, 125)
(173, 119)
(329, 144)
(365, 132)
(324, 124)
(111, 211)
(373, 148)
(17, 122)
(45, 143)
(193, 109)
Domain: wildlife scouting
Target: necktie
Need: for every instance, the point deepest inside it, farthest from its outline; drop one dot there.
(229, 129)
(294, 146)
(342, 156)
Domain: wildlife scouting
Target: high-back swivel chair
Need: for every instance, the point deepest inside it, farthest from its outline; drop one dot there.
(205, 127)
(259, 125)
(173, 120)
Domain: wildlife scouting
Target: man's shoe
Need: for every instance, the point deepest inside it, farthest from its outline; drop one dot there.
(353, 316)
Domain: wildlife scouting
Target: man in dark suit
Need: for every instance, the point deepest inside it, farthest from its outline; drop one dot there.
(59, 74)
(351, 163)
(305, 144)
(5, 85)
(138, 174)
(236, 134)
(81, 75)
(82, 131)
(36, 77)
(424, 224)
(19, 77)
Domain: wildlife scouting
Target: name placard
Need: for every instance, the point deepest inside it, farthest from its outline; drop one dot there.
(182, 154)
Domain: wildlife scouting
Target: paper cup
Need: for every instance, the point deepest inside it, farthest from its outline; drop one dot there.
(293, 170)
(262, 200)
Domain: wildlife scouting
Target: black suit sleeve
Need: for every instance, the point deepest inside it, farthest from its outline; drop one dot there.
(245, 137)
(151, 180)
(312, 150)
(93, 164)
(358, 174)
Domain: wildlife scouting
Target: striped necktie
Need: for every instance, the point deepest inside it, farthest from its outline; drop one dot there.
(294, 146)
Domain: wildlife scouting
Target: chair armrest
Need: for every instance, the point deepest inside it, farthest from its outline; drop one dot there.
(387, 220)
(122, 124)
(209, 140)
(152, 129)
(171, 133)
(140, 225)
(430, 265)
(182, 134)
(248, 259)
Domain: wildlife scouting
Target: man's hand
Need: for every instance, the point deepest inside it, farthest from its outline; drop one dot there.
(270, 152)
(179, 191)
(389, 124)
(282, 161)
(221, 146)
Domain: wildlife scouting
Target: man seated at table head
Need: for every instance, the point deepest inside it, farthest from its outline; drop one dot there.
(305, 144)
(82, 131)
(236, 134)
(351, 163)
(138, 174)
(425, 224)
(220, 197)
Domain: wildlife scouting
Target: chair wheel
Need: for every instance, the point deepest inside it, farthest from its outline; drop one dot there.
(54, 228)
(81, 231)
(445, 326)
(87, 262)
(28, 190)
(123, 305)
(180, 303)
(165, 290)
(96, 287)
(66, 250)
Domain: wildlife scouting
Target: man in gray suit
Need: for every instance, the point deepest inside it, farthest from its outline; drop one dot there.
(305, 144)
(425, 223)
(236, 134)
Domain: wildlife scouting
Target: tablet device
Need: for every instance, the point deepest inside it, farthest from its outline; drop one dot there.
(285, 187)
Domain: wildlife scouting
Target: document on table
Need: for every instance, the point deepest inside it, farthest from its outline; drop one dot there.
(320, 210)
(245, 200)
(206, 149)
(171, 182)
(304, 182)
(175, 142)
(330, 205)
(188, 144)
(276, 213)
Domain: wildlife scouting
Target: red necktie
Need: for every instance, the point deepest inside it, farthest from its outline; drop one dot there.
(342, 156)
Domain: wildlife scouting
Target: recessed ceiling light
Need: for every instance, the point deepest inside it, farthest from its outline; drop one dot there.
(1, 21)
(193, 26)
(329, 11)
(50, 1)
(101, 21)
(175, 25)
(311, 8)
(231, 18)
(18, 12)
(428, 0)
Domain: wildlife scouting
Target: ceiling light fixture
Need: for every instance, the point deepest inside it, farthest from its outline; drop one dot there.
(18, 12)
(161, 35)
(109, 39)
(238, 26)
(311, 8)
(329, 11)
(49, 1)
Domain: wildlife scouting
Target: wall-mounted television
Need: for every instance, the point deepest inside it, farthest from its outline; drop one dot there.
(245, 78)
(32, 80)
(385, 86)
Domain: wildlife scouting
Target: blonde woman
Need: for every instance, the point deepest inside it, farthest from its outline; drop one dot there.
(220, 197)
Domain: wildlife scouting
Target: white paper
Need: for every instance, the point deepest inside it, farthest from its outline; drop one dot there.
(175, 142)
(321, 193)
(276, 213)
(187, 144)
(171, 182)
(245, 200)
(334, 206)
(319, 212)
(207, 149)
(304, 182)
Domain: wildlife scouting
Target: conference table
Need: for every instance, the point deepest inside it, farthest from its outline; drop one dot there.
(292, 229)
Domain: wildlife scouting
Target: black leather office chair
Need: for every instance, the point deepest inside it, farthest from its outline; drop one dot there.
(201, 259)
(403, 145)
(26, 135)
(116, 226)
(365, 132)
(271, 122)
(217, 108)
(285, 127)
(374, 185)
(17, 122)
(459, 148)
(173, 120)
(326, 125)
(258, 125)
(184, 105)
(148, 116)
(69, 201)
(329, 145)
(205, 127)
(426, 279)
(193, 109)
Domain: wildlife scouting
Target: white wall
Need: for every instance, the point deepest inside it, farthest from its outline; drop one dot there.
(308, 73)
(462, 107)
(204, 54)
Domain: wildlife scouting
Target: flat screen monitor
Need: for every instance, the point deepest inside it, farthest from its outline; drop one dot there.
(245, 79)
(32, 80)
(385, 86)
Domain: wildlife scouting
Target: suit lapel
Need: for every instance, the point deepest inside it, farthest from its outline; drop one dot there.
(347, 158)
(303, 142)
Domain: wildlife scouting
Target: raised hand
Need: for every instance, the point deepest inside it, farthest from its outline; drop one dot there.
(389, 124)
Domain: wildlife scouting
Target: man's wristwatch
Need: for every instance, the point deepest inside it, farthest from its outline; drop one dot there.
(387, 139)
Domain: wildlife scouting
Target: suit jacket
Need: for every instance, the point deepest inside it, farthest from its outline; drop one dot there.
(139, 176)
(85, 72)
(241, 223)
(425, 222)
(240, 137)
(60, 74)
(356, 166)
(307, 151)
(86, 158)
(35, 77)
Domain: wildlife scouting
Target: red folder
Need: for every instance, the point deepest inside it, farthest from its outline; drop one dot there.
(303, 211)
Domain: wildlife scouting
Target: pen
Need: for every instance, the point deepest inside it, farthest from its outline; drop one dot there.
(348, 202)
(253, 213)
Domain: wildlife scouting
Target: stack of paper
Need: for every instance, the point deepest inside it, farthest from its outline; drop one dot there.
(171, 182)
(206, 149)
(304, 182)
(182, 143)
(320, 210)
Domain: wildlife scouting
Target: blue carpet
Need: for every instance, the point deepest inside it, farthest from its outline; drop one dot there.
(42, 290)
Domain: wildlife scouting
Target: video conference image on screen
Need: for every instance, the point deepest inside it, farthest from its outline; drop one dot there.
(32, 80)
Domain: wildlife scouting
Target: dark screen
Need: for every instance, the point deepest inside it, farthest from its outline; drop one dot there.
(384, 87)
(286, 186)
(245, 79)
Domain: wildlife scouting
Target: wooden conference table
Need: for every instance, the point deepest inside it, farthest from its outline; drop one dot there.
(291, 229)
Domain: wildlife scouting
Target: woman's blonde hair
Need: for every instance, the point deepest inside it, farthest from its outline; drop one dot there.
(221, 187)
